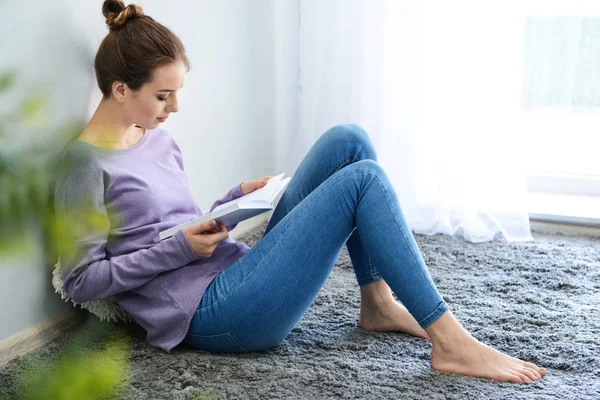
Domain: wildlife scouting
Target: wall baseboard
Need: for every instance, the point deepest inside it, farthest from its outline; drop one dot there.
(564, 228)
(39, 335)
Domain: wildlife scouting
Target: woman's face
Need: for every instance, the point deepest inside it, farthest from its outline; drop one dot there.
(157, 99)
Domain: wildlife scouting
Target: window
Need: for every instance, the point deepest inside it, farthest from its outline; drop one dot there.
(561, 110)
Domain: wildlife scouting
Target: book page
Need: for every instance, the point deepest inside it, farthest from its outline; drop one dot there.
(279, 190)
(265, 193)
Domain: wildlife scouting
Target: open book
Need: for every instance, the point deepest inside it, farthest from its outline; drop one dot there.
(244, 207)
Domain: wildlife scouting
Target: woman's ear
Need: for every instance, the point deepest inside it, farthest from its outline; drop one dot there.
(119, 90)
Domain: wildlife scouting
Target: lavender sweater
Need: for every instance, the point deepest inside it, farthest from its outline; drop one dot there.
(138, 192)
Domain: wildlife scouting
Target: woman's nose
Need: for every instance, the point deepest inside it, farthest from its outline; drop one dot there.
(173, 106)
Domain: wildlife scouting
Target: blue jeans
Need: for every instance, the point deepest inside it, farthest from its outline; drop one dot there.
(338, 195)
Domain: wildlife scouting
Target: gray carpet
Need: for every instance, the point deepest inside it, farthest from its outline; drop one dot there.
(538, 301)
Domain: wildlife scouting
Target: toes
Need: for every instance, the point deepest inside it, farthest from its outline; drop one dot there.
(524, 377)
(514, 378)
(531, 374)
(531, 366)
(541, 371)
(536, 375)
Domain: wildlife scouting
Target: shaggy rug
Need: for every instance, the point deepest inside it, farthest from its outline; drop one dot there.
(537, 300)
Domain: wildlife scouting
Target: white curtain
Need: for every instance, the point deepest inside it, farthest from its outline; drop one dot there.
(438, 86)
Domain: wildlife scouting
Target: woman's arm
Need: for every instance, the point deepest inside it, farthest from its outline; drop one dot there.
(233, 194)
(87, 273)
(90, 276)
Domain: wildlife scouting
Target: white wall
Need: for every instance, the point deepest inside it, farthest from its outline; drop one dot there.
(286, 20)
(238, 103)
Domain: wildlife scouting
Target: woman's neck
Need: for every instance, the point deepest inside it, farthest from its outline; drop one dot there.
(108, 128)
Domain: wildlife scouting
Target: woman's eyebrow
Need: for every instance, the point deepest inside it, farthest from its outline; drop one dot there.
(168, 90)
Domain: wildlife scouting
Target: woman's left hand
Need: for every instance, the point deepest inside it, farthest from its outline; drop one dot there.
(249, 187)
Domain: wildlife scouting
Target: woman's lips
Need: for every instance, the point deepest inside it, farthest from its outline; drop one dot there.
(162, 119)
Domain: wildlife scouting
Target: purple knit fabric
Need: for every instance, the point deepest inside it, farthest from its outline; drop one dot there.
(137, 193)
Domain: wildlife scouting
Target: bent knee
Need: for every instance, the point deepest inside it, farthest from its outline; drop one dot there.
(353, 134)
(368, 165)
(348, 131)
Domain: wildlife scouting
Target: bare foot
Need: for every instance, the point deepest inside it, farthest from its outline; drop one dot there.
(465, 355)
(390, 317)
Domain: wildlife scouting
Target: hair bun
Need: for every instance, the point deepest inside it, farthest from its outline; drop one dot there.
(117, 14)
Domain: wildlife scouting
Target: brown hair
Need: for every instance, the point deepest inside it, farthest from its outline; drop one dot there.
(135, 46)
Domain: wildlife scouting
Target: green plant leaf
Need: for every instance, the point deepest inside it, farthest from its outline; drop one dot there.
(7, 80)
(81, 372)
(32, 109)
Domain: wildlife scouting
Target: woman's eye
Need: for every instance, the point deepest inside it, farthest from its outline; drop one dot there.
(162, 98)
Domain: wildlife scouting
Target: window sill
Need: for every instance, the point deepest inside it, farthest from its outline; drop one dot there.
(564, 208)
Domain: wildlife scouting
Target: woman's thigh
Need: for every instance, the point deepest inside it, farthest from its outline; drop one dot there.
(257, 301)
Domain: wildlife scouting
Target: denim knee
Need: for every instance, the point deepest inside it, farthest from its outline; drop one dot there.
(363, 172)
(356, 135)
(370, 165)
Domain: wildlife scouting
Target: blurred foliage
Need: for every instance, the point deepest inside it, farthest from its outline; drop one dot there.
(26, 180)
(27, 172)
(92, 366)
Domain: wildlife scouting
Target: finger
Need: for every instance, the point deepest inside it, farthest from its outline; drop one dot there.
(219, 235)
(204, 226)
(215, 229)
(223, 232)
(257, 185)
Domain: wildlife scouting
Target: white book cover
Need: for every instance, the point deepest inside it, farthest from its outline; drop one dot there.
(244, 207)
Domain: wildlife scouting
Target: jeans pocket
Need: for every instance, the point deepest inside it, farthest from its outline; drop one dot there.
(221, 343)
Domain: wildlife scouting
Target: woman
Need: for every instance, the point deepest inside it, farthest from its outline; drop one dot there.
(202, 288)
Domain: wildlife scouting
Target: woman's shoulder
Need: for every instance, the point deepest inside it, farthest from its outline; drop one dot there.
(73, 153)
(164, 141)
(163, 135)
(76, 161)
(81, 151)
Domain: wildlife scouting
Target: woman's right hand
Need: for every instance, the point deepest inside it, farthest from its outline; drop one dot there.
(205, 237)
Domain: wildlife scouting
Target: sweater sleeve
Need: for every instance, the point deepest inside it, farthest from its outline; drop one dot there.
(233, 194)
(87, 272)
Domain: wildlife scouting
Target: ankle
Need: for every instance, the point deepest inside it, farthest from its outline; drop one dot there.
(452, 345)
(447, 334)
(376, 294)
